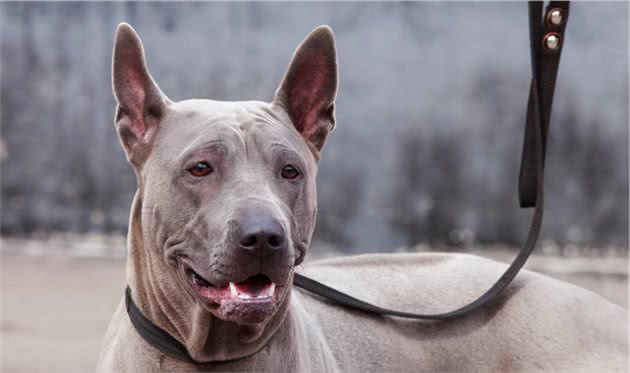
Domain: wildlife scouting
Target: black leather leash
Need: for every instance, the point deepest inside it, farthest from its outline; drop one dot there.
(546, 41)
(547, 60)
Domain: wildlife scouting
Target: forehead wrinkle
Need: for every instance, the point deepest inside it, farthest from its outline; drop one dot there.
(238, 134)
(284, 146)
(281, 135)
(219, 128)
(256, 142)
(193, 146)
(264, 117)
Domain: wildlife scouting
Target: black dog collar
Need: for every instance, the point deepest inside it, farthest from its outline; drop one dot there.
(153, 334)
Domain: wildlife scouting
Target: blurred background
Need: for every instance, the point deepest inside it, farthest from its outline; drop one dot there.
(425, 155)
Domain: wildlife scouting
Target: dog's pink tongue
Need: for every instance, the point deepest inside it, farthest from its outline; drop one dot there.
(254, 285)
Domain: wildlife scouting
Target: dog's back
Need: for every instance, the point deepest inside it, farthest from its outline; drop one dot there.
(538, 324)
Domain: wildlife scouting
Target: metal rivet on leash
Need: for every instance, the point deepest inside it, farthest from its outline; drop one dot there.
(555, 17)
(552, 41)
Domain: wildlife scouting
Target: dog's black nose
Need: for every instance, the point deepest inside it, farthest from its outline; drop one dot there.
(260, 233)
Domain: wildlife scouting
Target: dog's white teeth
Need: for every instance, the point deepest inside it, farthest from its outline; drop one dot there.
(272, 289)
(268, 293)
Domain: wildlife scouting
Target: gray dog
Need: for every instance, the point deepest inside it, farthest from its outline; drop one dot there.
(224, 212)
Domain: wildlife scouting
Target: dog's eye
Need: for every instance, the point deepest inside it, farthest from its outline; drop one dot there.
(200, 169)
(290, 172)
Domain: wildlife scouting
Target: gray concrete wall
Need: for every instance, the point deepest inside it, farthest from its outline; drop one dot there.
(430, 113)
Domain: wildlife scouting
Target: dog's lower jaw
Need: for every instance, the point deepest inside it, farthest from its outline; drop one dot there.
(158, 293)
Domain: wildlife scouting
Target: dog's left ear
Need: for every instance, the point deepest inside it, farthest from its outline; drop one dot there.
(309, 87)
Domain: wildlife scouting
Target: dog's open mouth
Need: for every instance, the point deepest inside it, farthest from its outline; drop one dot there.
(249, 301)
(258, 288)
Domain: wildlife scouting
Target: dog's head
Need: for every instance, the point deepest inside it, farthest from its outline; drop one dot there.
(227, 189)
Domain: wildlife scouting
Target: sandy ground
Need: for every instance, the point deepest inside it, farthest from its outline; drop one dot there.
(55, 309)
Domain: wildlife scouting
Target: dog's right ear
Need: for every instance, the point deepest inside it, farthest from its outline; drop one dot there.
(141, 104)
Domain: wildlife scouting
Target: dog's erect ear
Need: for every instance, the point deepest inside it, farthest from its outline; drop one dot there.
(309, 87)
(141, 104)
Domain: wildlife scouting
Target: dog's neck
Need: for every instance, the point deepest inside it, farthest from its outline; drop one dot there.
(160, 297)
